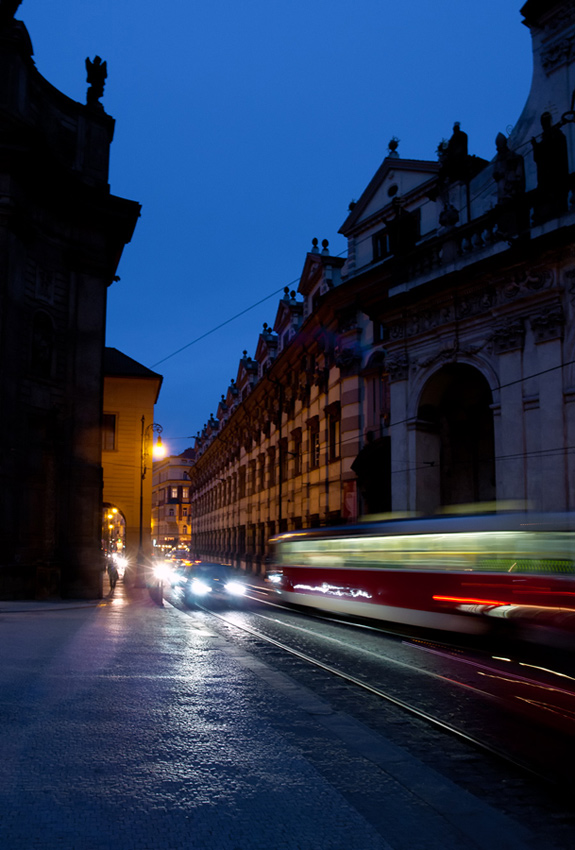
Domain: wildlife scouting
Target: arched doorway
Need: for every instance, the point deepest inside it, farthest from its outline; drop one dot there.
(455, 446)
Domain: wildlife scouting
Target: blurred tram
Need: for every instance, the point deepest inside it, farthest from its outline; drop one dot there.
(455, 573)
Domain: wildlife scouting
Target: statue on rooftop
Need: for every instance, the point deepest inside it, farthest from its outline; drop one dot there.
(453, 156)
(97, 73)
(552, 161)
(508, 172)
(8, 9)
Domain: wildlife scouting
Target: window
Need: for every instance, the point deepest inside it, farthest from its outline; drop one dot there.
(252, 478)
(378, 402)
(283, 449)
(333, 413)
(109, 432)
(380, 243)
(242, 482)
(297, 439)
(380, 332)
(185, 492)
(404, 230)
(262, 472)
(173, 492)
(313, 438)
(272, 467)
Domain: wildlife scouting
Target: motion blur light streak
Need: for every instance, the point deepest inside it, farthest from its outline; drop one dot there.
(552, 709)
(518, 680)
(333, 590)
(463, 600)
(543, 669)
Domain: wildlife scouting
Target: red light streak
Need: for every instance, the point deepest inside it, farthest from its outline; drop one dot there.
(470, 600)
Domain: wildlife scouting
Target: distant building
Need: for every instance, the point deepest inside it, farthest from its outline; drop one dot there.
(435, 366)
(130, 393)
(61, 237)
(171, 508)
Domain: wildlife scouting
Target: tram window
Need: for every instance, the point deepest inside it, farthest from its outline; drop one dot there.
(491, 551)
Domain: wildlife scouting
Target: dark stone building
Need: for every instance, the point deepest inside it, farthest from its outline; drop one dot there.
(61, 237)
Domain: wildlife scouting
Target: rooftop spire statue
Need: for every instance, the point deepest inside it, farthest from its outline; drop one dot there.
(552, 161)
(97, 73)
(8, 10)
(508, 171)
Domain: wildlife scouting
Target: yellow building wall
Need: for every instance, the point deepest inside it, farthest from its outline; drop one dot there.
(129, 399)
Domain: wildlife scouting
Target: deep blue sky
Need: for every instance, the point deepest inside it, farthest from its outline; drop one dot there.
(245, 129)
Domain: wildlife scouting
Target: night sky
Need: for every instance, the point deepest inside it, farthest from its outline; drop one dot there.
(245, 130)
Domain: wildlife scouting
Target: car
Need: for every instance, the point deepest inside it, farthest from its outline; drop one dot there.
(179, 573)
(214, 582)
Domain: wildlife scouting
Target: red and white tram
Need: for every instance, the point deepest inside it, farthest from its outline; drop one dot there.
(456, 573)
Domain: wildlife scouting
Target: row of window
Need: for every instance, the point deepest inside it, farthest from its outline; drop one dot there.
(263, 472)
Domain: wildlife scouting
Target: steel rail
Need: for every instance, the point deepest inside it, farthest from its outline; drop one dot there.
(387, 697)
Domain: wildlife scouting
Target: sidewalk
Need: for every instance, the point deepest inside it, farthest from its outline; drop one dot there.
(131, 725)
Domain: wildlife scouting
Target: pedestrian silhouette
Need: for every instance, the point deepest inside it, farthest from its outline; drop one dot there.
(112, 574)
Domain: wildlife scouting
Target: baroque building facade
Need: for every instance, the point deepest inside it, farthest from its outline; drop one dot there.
(62, 234)
(435, 365)
(171, 510)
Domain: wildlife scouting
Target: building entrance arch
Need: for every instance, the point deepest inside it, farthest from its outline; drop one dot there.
(455, 461)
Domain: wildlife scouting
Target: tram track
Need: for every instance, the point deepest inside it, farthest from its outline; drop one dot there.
(439, 723)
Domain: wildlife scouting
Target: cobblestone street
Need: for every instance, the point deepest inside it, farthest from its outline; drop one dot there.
(130, 725)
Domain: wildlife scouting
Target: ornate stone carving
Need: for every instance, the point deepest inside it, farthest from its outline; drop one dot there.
(473, 302)
(348, 360)
(548, 324)
(557, 54)
(509, 336)
(398, 367)
(527, 281)
(448, 354)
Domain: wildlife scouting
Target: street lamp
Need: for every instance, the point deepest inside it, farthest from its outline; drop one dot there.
(158, 451)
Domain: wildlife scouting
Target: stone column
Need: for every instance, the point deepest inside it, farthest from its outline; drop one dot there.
(509, 436)
(547, 328)
(402, 442)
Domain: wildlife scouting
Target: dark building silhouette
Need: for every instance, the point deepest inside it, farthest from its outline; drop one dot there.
(61, 237)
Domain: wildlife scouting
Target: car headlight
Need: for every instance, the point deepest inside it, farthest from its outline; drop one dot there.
(200, 588)
(235, 588)
(161, 572)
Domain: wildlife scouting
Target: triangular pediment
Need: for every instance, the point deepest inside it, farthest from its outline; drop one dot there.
(395, 178)
(288, 308)
(312, 270)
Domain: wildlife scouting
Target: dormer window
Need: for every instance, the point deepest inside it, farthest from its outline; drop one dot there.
(404, 230)
(380, 242)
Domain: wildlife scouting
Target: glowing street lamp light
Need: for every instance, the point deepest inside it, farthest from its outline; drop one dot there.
(158, 451)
